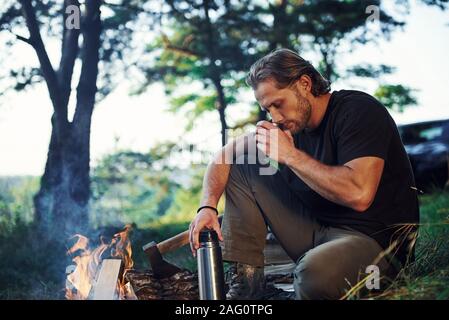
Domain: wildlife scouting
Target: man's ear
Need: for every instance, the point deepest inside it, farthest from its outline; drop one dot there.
(305, 84)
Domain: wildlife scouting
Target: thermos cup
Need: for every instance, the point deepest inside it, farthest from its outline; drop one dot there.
(210, 267)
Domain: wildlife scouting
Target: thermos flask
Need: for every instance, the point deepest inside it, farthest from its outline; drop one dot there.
(210, 267)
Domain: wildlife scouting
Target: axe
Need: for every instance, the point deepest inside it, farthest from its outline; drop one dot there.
(154, 252)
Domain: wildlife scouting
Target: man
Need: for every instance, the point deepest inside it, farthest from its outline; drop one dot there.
(344, 196)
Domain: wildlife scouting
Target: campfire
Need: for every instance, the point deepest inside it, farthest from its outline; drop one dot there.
(100, 273)
(106, 272)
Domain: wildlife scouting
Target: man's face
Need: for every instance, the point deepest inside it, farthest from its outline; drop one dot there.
(287, 106)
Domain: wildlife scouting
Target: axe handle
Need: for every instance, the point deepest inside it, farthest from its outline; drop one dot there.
(174, 242)
(177, 241)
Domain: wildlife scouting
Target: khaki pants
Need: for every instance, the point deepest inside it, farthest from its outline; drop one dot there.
(329, 260)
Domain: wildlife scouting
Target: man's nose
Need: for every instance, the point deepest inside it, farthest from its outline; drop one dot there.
(275, 115)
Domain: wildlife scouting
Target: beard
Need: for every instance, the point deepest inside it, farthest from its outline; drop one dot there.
(302, 117)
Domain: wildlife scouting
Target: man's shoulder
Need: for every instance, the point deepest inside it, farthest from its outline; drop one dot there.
(353, 102)
(354, 97)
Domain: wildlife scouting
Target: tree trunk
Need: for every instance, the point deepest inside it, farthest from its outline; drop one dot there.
(43, 200)
(62, 202)
(280, 31)
(215, 73)
(221, 107)
(328, 63)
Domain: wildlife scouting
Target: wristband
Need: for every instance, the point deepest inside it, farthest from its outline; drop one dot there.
(209, 207)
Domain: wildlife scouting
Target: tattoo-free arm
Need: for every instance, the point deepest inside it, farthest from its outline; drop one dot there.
(214, 184)
(353, 184)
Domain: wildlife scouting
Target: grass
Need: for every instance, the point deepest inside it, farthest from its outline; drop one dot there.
(34, 269)
(30, 268)
(427, 278)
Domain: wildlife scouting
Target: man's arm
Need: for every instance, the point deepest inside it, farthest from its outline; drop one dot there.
(214, 184)
(217, 172)
(215, 179)
(353, 184)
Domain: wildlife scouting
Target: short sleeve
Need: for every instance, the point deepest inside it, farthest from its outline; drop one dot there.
(363, 129)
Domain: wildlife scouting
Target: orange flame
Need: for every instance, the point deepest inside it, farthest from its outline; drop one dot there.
(82, 274)
(122, 248)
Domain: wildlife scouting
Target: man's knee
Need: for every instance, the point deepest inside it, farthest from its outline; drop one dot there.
(315, 279)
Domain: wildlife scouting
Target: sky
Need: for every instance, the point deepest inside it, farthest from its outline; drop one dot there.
(420, 54)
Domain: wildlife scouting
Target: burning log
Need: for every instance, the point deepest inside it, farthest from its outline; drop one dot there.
(106, 286)
(81, 274)
(86, 281)
(129, 292)
(94, 277)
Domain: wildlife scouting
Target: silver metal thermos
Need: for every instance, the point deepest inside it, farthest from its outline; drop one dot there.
(210, 267)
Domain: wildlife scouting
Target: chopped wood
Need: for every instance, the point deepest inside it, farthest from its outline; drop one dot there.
(181, 286)
(105, 287)
(184, 285)
(280, 276)
(129, 292)
(280, 269)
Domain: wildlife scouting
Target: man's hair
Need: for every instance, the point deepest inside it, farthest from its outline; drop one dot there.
(285, 67)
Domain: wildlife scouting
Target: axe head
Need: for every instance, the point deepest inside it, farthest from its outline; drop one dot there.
(160, 267)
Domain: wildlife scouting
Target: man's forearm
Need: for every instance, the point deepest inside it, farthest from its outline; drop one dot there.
(334, 183)
(217, 172)
(214, 183)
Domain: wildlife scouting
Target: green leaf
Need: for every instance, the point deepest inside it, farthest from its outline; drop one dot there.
(395, 97)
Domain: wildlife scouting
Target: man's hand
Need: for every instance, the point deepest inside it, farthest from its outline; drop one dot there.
(206, 218)
(275, 143)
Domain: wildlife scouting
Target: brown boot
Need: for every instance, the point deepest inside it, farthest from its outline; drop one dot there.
(245, 282)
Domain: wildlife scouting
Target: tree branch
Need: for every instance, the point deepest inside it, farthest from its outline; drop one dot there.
(87, 87)
(181, 50)
(69, 53)
(19, 37)
(47, 69)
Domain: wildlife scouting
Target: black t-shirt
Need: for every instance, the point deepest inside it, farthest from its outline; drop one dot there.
(357, 125)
